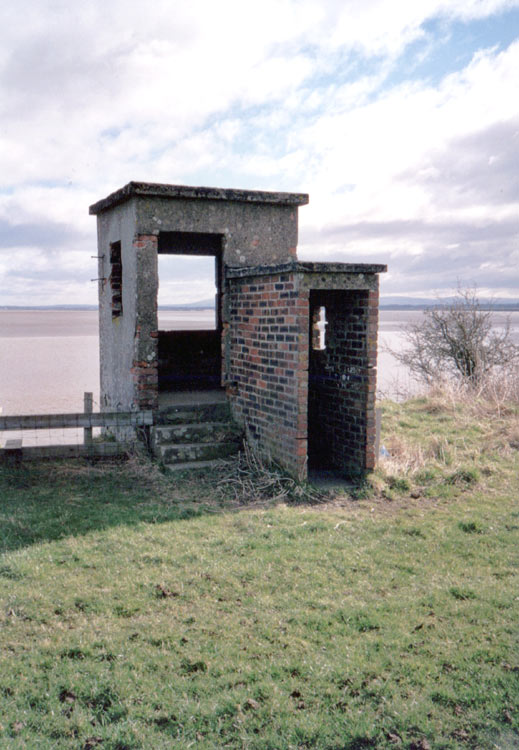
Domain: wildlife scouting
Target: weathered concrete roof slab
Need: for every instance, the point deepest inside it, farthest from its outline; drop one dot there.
(311, 267)
(159, 190)
(235, 272)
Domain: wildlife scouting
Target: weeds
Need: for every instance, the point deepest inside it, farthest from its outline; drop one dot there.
(451, 440)
(470, 527)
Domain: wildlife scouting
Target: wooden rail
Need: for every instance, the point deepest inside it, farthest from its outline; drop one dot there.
(95, 450)
(87, 420)
(57, 421)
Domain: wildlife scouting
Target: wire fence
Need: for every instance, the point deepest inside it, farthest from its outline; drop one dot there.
(71, 434)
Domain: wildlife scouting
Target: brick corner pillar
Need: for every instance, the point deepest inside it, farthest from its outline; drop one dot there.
(371, 354)
(302, 309)
(145, 357)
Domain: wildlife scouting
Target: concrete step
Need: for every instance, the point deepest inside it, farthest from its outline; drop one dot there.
(171, 453)
(193, 412)
(195, 432)
(190, 465)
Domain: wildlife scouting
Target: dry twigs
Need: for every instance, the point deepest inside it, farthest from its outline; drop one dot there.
(249, 478)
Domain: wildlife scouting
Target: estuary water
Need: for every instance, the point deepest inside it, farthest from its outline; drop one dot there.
(49, 358)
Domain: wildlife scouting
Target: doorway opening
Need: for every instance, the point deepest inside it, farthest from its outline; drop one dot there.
(189, 333)
(337, 381)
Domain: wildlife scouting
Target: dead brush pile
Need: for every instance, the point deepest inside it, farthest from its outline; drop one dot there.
(250, 478)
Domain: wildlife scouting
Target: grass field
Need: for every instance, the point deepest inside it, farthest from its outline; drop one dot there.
(141, 611)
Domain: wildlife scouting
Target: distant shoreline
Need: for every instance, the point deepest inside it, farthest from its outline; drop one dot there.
(485, 306)
(497, 307)
(92, 308)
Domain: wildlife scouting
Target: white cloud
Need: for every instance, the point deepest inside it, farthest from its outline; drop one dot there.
(286, 94)
(387, 148)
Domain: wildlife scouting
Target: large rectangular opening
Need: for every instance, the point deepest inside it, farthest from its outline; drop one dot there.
(190, 311)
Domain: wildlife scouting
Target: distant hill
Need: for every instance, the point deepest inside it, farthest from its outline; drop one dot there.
(386, 303)
(421, 303)
(205, 304)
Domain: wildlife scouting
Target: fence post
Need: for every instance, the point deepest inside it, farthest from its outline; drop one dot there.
(88, 401)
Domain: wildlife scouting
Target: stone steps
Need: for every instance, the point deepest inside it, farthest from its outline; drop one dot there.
(194, 435)
(194, 412)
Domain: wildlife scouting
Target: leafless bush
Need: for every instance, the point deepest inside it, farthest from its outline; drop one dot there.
(458, 342)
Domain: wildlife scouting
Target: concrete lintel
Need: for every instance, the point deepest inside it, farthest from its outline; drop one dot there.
(159, 190)
(235, 272)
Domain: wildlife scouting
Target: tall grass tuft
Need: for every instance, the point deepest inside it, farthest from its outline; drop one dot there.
(453, 432)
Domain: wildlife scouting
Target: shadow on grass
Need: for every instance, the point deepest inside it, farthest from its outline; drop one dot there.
(43, 502)
(47, 501)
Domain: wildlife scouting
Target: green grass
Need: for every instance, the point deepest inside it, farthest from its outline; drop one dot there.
(138, 611)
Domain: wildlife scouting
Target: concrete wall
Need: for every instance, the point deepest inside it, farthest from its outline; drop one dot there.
(145, 340)
(258, 227)
(128, 349)
(252, 233)
(116, 336)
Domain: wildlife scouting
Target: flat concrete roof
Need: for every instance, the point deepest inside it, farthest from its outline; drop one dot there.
(235, 272)
(172, 192)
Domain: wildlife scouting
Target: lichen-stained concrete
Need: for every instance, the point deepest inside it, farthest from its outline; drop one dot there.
(257, 227)
(254, 226)
(116, 335)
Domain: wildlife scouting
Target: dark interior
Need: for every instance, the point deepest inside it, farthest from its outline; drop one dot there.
(337, 382)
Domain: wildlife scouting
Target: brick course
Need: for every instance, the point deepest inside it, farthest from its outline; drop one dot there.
(265, 343)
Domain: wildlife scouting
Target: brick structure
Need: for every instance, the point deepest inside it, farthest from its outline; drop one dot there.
(295, 343)
(266, 361)
(305, 403)
(342, 377)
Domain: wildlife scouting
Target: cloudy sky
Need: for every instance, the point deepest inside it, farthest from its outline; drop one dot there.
(400, 119)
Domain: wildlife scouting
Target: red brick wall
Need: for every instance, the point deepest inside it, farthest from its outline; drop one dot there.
(266, 363)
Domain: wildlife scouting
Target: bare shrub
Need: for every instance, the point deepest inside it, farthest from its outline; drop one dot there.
(458, 342)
